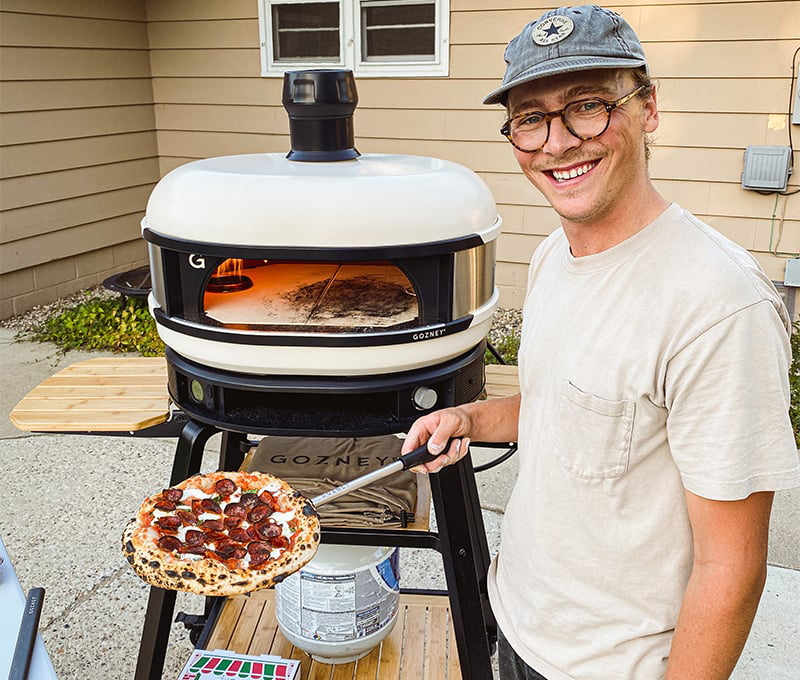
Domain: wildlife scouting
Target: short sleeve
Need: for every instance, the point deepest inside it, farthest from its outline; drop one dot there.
(727, 397)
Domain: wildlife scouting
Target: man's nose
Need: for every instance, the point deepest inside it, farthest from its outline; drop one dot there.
(560, 138)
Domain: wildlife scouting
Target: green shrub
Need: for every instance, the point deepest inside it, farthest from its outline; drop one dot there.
(508, 347)
(104, 324)
(794, 381)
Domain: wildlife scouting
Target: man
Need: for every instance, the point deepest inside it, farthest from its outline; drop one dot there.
(652, 421)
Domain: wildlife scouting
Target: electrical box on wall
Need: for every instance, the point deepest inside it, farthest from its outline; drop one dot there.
(791, 275)
(767, 168)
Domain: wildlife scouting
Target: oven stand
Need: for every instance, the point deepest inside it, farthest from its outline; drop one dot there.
(461, 540)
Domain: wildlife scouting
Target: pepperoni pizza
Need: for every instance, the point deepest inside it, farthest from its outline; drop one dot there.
(222, 533)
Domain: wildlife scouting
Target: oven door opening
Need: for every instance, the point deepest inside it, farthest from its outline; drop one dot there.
(323, 297)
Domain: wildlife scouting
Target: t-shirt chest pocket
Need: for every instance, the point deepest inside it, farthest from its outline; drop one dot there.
(593, 434)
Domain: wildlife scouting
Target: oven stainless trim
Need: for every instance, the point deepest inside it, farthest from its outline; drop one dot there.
(473, 278)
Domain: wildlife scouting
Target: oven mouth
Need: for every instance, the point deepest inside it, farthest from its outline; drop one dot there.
(313, 297)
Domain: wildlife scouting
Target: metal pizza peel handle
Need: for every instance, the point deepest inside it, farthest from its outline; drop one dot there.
(416, 457)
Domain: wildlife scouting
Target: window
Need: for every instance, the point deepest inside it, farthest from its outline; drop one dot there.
(371, 37)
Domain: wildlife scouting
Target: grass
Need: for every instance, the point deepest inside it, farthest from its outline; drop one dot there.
(794, 382)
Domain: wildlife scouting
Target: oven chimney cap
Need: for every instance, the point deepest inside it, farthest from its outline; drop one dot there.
(320, 104)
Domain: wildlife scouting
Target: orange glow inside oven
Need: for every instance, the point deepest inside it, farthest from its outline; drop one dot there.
(312, 295)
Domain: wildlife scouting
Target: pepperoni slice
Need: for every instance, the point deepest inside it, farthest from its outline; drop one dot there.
(198, 549)
(268, 499)
(269, 529)
(169, 522)
(257, 514)
(235, 510)
(166, 506)
(238, 552)
(210, 505)
(215, 537)
(248, 500)
(173, 495)
(231, 522)
(258, 559)
(226, 548)
(280, 542)
(197, 507)
(225, 487)
(187, 517)
(211, 525)
(253, 533)
(195, 537)
(169, 543)
(258, 547)
(240, 535)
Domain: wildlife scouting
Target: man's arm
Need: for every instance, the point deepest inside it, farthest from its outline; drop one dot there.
(728, 573)
(493, 420)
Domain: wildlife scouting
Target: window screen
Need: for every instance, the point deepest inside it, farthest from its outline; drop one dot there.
(392, 30)
(307, 31)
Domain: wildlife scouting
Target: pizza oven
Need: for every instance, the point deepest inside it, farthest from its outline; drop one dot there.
(321, 291)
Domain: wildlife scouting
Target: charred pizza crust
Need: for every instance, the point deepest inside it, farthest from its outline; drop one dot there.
(212, 573)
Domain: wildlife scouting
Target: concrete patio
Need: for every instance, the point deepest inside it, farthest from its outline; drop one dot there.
(94, 605)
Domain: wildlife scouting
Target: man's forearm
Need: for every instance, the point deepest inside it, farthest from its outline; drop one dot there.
(714, 622)
(494, 420)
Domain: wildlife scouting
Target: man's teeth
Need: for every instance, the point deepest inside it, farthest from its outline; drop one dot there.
(562, 175)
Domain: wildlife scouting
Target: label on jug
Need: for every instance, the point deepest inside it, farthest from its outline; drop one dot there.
(339, 607)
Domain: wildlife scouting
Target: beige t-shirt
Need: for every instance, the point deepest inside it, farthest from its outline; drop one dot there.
(655, 366)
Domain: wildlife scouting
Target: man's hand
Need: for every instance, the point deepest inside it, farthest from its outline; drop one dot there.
(494, 420)
(730, 565)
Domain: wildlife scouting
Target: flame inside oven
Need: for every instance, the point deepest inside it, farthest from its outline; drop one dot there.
(314, 296)
(228, 277)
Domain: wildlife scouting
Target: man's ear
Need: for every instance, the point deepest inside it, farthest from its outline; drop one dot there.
(650, 112)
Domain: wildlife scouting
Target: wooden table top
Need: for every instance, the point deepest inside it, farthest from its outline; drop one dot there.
(421, 645)
(106, 394)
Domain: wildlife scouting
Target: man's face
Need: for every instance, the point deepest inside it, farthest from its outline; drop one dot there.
(609, 170)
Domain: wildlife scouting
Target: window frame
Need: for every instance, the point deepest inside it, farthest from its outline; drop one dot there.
(350, 48)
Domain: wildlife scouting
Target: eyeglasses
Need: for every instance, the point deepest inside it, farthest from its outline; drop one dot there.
(584, 118)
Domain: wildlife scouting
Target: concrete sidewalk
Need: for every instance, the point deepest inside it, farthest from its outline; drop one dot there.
(94, 605)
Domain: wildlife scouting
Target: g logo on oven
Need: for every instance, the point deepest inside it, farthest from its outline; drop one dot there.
(197, 261)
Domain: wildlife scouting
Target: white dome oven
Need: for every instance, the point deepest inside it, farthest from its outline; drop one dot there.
(321, 292)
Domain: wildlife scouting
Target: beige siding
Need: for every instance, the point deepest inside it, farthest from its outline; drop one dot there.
(80, 152)
(78, 155)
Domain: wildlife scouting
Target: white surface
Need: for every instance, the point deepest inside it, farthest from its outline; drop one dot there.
(12, 602)
(307, 360)
(376, 200)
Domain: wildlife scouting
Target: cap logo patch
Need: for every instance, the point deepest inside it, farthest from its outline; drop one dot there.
(552, 30)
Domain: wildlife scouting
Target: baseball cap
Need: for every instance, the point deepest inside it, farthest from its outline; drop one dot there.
(569, 39)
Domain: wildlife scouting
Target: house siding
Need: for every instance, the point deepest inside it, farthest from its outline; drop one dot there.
(77, 145)
(723, 71)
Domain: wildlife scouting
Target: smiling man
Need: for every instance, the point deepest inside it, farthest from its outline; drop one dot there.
(653, 419)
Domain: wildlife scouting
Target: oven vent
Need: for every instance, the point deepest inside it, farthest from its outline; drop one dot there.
(320, 104)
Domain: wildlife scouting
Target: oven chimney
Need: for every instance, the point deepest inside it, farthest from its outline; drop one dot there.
(320, 103)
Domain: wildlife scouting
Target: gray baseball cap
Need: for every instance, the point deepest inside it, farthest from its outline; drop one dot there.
(569, 39)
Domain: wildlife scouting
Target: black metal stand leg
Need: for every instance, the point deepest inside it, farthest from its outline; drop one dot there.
(464, 565)
(161, 604)
(231, 455)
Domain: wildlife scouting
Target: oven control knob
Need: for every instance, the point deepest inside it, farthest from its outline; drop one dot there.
(424, 398)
